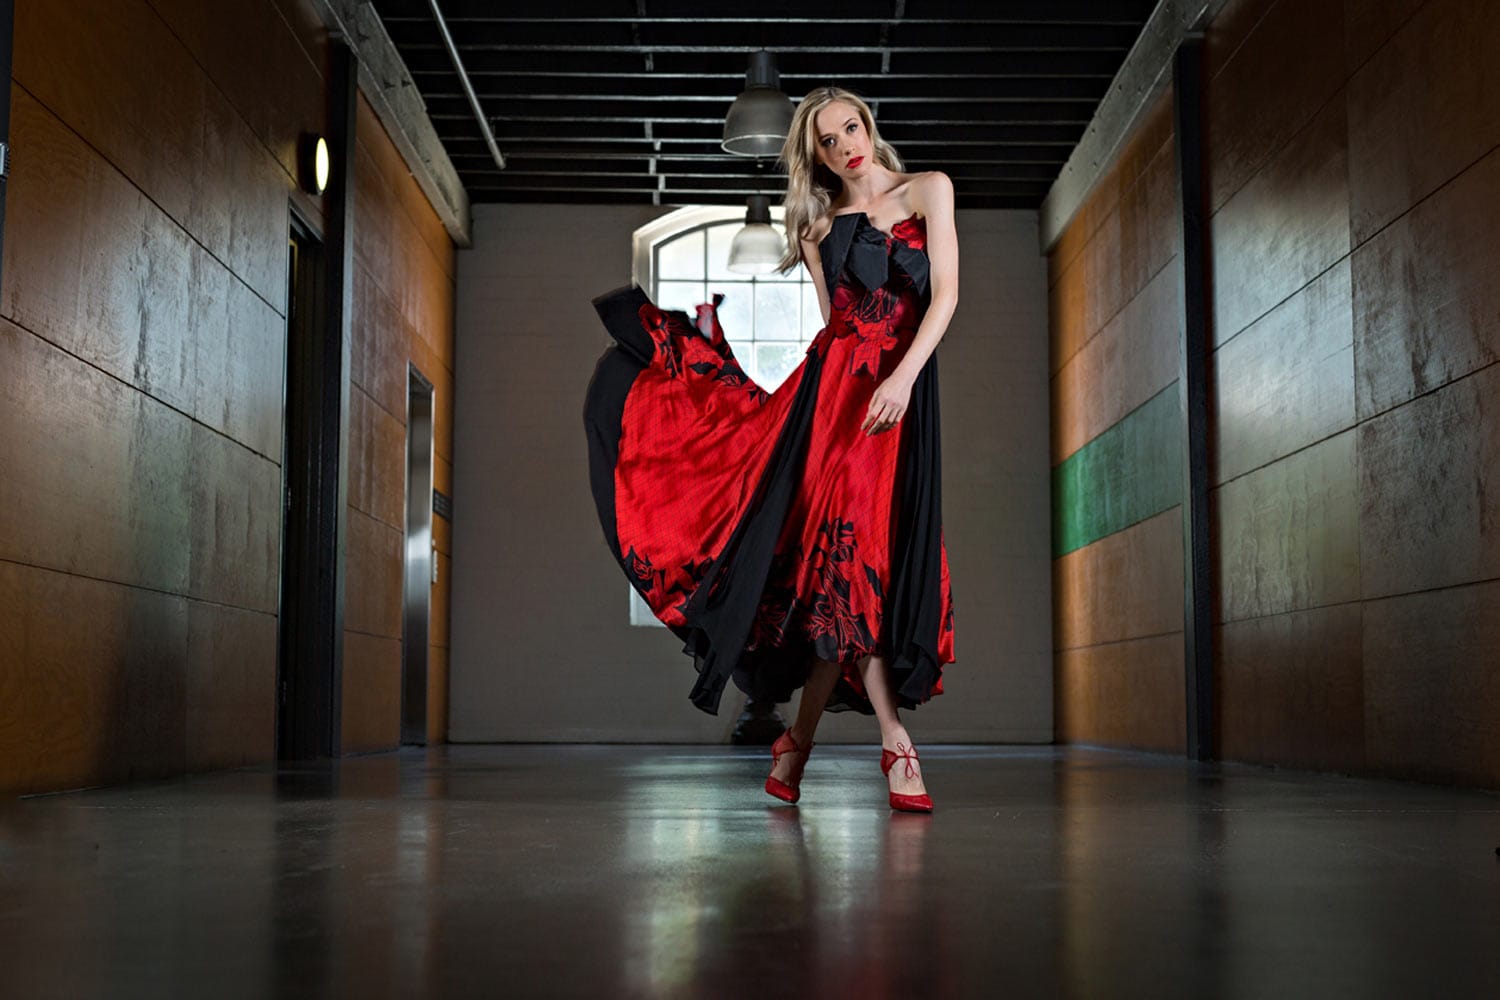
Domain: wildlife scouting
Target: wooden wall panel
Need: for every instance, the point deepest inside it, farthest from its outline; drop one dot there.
(272, 81)
(111, 696)
(108, 483)
(1137, 152)
(381, 157)
(1429, 481)
(379, 352)
(1268, 90)
(1422, 109)
(1287, 380)
(438, 369)
(1427, 292)
(1368, 26)
(377, 445)
(1289, 533)
(1066, 321)
(1108, 269)
(1228, 31)
(1432, 693)
(97, 268)
(403, 315)
(1291, 689)
(114, 72)
(442, 595)
(1124, 694)
(235, 525)
(1355, 321)
(1114, 332)
(437, 697)
(372, 584)
(306, 26)
(371, 693)
(141, 416)
(97, 477)
(1130, 360)
(230, 677)
(1124, 586)
(1284, 227)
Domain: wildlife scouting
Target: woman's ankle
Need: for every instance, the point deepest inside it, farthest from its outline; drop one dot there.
(899, 735)
(803, 738)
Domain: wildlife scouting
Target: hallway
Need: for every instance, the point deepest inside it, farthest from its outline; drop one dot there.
(615, 871)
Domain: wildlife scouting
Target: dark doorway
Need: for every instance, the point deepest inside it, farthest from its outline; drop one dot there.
(304, 669)
(420, 559)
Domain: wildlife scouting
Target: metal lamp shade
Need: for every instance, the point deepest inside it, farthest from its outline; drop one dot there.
(760, 118)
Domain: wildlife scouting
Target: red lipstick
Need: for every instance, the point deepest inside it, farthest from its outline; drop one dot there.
(854, 162)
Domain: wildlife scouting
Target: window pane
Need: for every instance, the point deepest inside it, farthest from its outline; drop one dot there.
(776, 311)
(774, 362)
(735, 316)
(684, 295)
(680, 258)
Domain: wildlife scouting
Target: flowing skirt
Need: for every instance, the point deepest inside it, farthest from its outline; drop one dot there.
(766, 528)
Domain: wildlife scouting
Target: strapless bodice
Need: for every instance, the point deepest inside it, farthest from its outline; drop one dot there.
(856, 247)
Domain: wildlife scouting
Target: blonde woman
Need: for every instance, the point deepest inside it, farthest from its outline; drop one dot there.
(794, 539)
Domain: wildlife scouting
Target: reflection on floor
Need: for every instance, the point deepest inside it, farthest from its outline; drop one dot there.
(642, 871)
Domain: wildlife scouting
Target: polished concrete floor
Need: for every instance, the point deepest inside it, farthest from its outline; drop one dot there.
(614, 871)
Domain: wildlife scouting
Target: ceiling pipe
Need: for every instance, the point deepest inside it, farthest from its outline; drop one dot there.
(463, 78)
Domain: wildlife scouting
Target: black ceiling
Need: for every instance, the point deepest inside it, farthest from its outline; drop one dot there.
(623, 101)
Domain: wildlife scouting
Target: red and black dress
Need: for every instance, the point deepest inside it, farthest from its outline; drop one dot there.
(766, 528)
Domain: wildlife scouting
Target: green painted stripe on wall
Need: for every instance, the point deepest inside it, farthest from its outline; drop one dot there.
(1131, 471)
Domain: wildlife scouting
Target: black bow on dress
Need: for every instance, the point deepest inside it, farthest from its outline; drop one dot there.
(855, 243)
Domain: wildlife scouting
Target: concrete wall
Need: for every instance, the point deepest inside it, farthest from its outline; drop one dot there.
(542, 649)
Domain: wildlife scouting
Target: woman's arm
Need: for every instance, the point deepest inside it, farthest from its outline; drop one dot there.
(814, 261)
(932, 196)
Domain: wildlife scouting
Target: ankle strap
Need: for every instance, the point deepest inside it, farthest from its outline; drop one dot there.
(889, 757)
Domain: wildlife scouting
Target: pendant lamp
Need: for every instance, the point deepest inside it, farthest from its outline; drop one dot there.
(757, 248)
(760, 118)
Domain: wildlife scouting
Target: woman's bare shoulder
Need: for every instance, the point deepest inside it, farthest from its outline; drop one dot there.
(929, 189)
(818, 228)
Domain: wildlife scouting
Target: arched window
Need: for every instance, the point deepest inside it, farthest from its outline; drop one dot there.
(681, 260)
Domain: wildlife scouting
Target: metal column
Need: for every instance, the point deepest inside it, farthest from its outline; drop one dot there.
(1193, 386)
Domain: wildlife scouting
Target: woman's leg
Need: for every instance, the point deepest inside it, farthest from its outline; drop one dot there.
(820, 682)
(893, 734)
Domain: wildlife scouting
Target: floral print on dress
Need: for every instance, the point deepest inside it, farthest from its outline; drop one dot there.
(827, 618)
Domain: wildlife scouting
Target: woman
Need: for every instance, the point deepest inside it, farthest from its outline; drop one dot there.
(794, 539)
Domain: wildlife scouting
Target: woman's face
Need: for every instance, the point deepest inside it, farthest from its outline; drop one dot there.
(843, 143)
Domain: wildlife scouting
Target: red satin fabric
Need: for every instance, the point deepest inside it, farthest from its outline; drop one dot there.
(696, 437)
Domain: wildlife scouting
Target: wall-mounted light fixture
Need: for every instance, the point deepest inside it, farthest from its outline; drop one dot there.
(313, 164)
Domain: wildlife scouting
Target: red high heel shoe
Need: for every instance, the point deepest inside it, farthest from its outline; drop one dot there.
(904, 803)
(785, 743)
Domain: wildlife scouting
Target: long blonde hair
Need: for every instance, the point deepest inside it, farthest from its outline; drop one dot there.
(811, 186)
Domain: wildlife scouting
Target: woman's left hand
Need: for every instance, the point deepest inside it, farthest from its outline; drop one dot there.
(888, 405)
